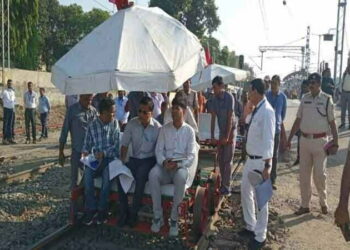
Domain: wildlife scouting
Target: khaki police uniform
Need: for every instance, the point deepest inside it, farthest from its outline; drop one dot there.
(315, 114)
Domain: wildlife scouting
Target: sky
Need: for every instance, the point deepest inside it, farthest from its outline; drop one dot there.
(248, 24)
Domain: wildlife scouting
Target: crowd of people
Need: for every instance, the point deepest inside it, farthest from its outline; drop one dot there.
(32, 103)
(164, 142)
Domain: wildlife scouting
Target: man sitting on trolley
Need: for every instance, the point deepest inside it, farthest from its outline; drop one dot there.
(175, 153)
(102, 140)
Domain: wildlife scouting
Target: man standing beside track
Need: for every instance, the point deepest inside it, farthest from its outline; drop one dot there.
(223, 110)
(191, 98)
(30, 100)
(259, 147)
(76, 121)
(345, 96)
(278, 101)
(8, 100)
(314, 118)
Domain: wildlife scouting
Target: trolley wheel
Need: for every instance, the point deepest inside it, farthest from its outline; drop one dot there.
(200, 211)
(213, 192)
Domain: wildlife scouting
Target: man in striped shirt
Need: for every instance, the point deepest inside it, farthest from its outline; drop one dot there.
(102, 140)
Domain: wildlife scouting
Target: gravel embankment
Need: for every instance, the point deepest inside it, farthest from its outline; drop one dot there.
(31, 210)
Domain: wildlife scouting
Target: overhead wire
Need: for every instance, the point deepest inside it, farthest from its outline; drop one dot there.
(263, 18)
(103, 6)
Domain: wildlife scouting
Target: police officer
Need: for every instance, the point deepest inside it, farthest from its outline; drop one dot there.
(314, 118)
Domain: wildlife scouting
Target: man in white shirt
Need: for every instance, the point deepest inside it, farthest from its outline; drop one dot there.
(345, 96)
(30, 102)
(176, 140)
(70, 100)
(259, 147)
(190, 97)
(157, 99)
(188, 117)
(121, 114)
(9, 100)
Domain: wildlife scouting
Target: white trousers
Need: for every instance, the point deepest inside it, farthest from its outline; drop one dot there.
(256, 221)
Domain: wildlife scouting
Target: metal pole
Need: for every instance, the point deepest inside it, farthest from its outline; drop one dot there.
(8, 36)
(342, 43)
(336, 46)
(319, 52)
(262, 59)
(3, 42)
(302, 58)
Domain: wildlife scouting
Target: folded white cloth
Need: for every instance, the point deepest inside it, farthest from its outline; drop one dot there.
(116, 167)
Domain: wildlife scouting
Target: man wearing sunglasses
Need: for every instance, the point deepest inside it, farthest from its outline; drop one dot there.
(142, 133)
(314, 118)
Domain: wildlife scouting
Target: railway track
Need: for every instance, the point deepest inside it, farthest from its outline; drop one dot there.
(27, 174)
(24, 152)
(69, 229)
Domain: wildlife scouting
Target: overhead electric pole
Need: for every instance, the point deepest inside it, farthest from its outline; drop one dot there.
(5, 37)
(285, 49)
(307, 51)
(339, 42)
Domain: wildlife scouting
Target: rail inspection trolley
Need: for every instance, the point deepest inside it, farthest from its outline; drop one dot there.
(194, 210)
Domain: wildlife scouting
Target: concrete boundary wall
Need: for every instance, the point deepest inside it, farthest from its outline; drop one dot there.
(21, 77)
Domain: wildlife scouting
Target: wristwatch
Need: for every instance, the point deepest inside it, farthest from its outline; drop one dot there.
(267, 165)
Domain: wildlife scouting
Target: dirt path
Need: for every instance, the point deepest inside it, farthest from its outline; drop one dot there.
(314, 230)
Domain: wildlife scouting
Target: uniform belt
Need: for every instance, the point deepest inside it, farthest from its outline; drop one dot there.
(254, 157)
(313, 136)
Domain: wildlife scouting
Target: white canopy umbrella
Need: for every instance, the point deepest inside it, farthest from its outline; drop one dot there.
(203, 79)
(137, 49)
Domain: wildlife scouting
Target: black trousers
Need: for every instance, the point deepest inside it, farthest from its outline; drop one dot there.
(275, 158)
(29, 115)
(140, 169)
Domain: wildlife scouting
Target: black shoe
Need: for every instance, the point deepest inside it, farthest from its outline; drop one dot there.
(133, 219)
(102, 217)
(341, 125)
(302, 210)
(12, 142)
(255, 245)
(245, 233)
(123, 219)
(89, 217)
(296, 162)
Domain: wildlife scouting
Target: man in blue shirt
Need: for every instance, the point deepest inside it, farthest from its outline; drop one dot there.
(102, 140)
(222, 109)
(44, 110)
(278, 101)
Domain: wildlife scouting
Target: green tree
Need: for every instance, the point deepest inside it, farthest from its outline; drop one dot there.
(62, 27)
(24, 16)
(232, 60)
(94, 18)
(223, 57)
(174, 8)
(200, 16)
(214, 47)
(48, 19)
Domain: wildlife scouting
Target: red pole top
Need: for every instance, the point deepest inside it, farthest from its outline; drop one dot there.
(122, 4)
